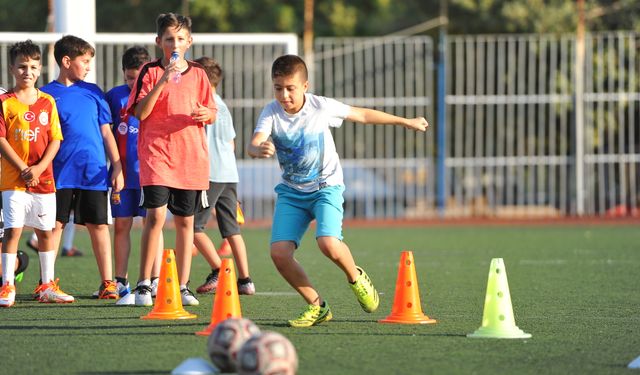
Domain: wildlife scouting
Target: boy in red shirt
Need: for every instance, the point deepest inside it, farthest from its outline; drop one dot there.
(172, 99)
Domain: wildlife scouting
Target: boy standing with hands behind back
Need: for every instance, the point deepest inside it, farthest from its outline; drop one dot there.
(172, 99)
(312, 183)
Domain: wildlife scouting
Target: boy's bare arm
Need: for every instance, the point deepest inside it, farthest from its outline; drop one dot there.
(145, 106)
(117, 178)
(372, 116)
(260, 146)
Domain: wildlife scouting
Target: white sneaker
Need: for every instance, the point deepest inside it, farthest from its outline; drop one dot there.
(122, 289)
(7, 295)
(154, 287)
(188, 299)
(143, 295)
(247, 288)
(128, 299)
(51, 293)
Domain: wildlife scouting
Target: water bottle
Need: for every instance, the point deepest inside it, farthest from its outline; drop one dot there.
(174, 57)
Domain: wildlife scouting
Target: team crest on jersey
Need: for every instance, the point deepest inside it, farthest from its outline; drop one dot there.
(43, 118)
(29, 116)
(123, 128)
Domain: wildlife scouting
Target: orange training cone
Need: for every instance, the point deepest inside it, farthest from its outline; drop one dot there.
(226, 302)
(225, 248)
(168, 303)
(406, 304)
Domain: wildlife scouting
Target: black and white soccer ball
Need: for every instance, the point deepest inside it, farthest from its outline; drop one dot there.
(268, 353)
(226, 339)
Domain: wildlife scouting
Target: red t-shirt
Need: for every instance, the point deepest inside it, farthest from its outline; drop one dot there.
(172, 147)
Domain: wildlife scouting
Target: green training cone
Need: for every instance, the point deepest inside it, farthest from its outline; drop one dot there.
(497, 319)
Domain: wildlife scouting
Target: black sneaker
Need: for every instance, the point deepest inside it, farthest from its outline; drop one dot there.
(210, 284)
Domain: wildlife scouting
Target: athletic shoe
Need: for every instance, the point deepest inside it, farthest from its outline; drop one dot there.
(72, 252)
(210, 284)
(142, 295)
(107, 290)
(365, 292)
(188, 299)
(23, 263)
(7, 295)
(51, 293)
(246, 288)
(122, 289)
(154, 287)
(312, 315)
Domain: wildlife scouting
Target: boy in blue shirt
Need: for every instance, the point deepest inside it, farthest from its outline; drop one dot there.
(80, 166)
(222, 193)
(312, 184)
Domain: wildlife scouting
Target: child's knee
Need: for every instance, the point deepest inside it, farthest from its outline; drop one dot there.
(282, 252)
(331, 247)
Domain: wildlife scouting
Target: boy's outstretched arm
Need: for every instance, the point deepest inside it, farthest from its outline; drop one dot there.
(117, 178)
(260, 146)
(372, 116)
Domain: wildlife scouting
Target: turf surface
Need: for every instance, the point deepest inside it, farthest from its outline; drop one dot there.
(574, 288)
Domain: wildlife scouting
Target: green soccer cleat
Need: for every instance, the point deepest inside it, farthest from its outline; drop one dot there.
(365, 292)
(312, 315)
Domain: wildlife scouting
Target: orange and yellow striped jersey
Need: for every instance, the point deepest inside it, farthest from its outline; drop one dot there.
(28, 129)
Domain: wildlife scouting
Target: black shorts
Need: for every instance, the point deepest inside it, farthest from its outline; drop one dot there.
(224, 197)
(89, 206)
(179, 202)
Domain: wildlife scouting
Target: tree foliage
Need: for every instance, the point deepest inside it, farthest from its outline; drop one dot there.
(342, 17)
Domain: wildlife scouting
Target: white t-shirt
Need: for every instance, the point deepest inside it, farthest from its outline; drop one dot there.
(304, 144)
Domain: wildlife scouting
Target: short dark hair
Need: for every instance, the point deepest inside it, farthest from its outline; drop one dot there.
(288, 65)
(135, 57)
(213, 69)
(167, 20)
(71, 46)
(25, 49)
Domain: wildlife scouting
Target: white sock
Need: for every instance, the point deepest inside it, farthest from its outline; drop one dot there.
(47, 262)
(68, 233)
(146, 282)
(8, 268)
(183, 287)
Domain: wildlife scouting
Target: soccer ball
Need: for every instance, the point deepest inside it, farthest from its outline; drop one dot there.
(226, 339)
(268, 353)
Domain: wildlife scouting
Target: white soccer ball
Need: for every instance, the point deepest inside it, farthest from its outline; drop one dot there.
(226, 339)
(268, 353)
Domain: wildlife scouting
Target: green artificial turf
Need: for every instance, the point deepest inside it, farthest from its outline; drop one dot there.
(574, 288)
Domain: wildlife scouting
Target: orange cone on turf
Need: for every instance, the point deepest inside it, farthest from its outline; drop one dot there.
(225, 248)
(168, 303)
(226, 302)
(406, 303)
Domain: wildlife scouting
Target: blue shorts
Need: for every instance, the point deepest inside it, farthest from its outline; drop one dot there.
(129, 205)
(294, 211)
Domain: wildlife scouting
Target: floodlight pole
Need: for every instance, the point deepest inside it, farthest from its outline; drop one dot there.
(441, 192)
(579, 108)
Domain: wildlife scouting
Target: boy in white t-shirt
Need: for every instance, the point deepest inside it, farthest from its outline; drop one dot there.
(312, 183)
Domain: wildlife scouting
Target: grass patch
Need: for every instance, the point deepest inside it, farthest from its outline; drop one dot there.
(575, 289)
